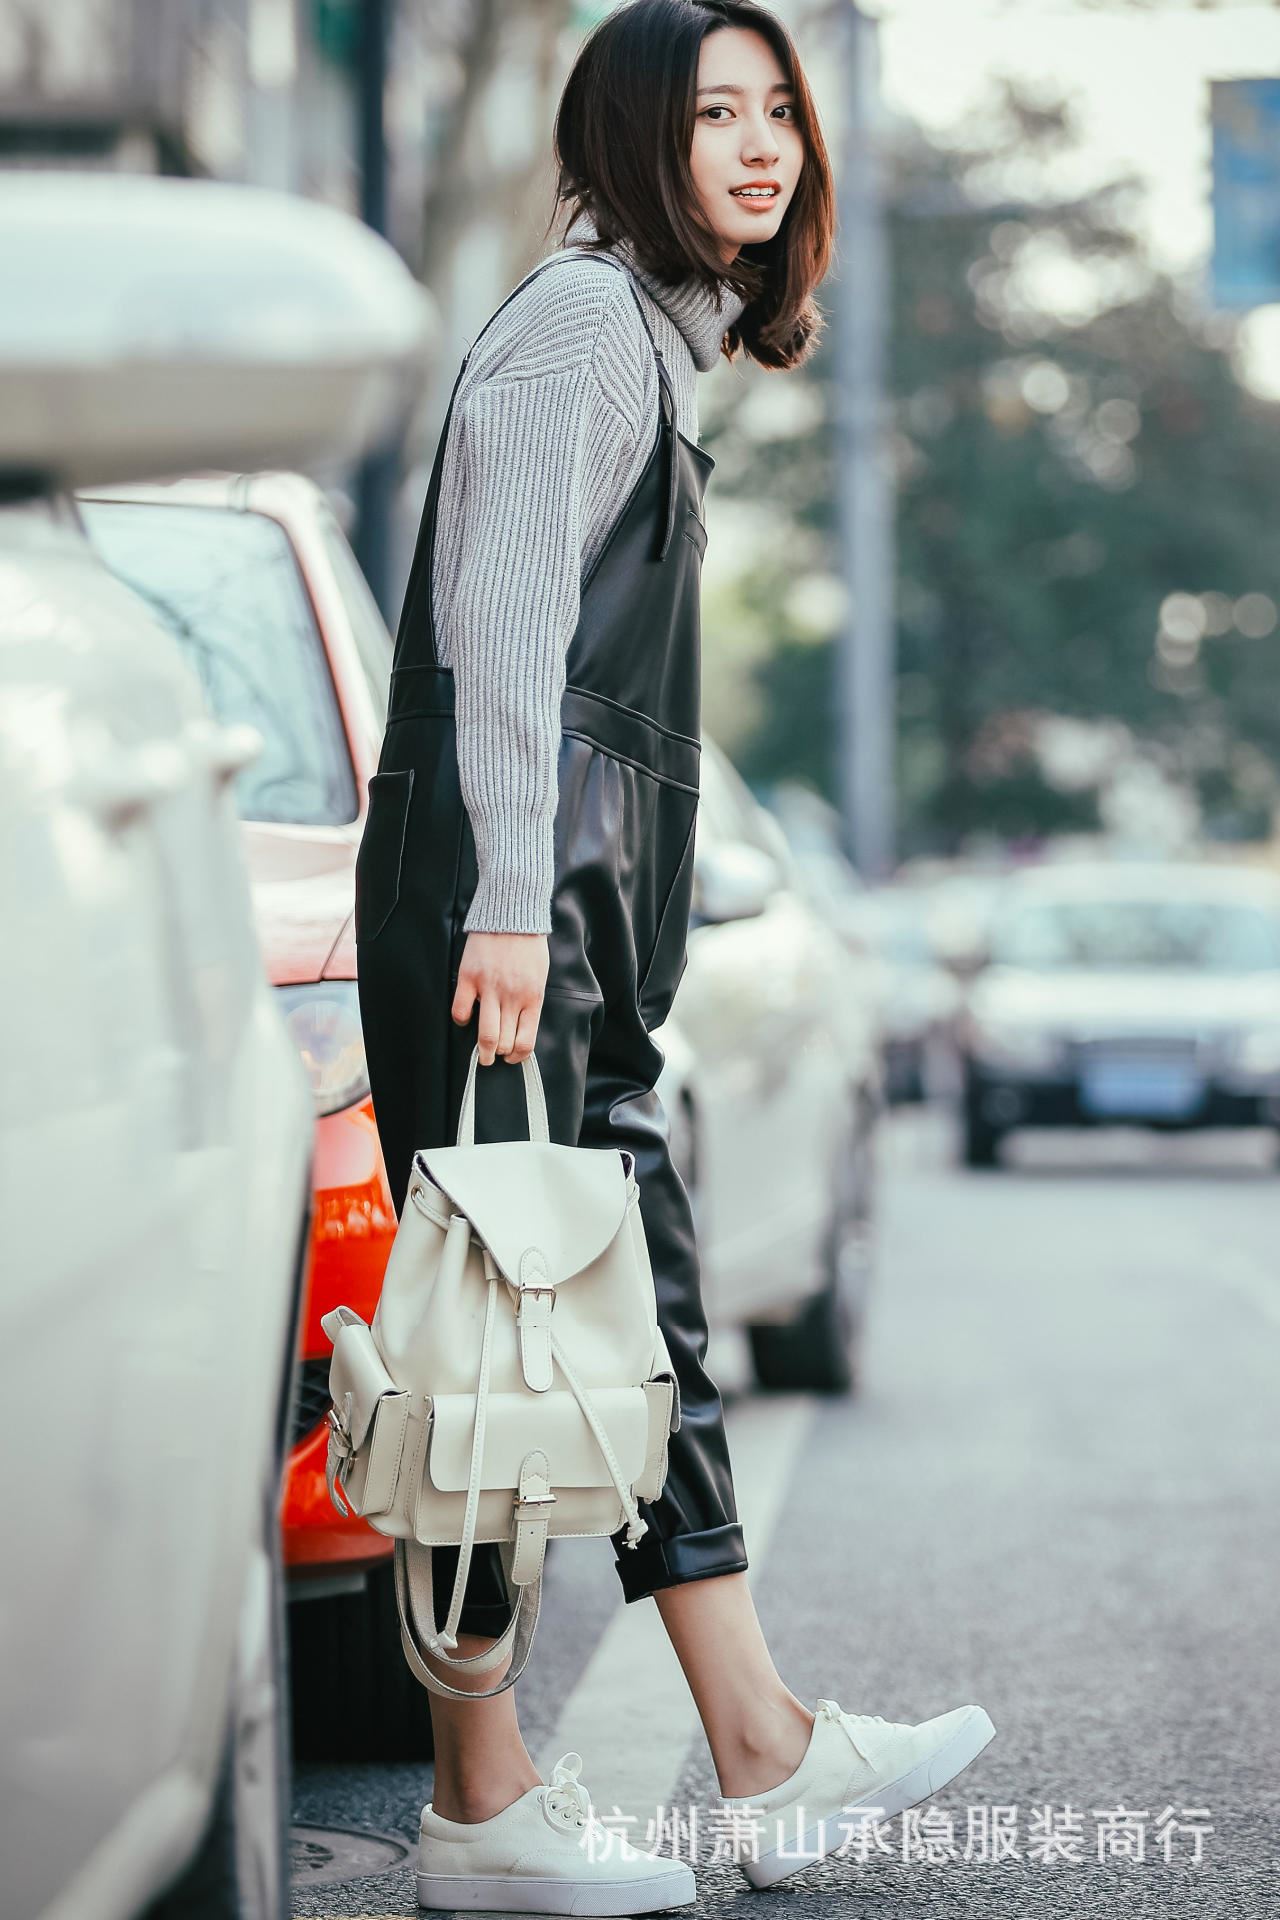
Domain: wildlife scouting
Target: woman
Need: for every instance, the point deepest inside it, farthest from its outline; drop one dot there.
(528, 860)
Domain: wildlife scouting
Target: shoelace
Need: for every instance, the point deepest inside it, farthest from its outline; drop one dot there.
(566, 1790)
(832, 1710)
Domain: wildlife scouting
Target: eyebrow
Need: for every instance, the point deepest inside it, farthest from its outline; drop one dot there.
(779, 86)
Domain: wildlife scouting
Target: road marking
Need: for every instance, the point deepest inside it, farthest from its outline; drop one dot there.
(631, 1715)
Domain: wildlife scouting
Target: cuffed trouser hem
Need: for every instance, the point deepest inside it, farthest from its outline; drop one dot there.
(657, 1563)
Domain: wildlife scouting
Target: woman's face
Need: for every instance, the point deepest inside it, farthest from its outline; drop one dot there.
(744, 134)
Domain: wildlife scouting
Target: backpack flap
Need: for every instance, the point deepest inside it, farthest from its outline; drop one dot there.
(544, 1211)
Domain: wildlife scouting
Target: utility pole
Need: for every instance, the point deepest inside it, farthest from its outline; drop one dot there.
(379, 471)
(866, 726)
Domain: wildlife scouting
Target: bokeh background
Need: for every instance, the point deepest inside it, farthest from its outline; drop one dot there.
(1069, 368)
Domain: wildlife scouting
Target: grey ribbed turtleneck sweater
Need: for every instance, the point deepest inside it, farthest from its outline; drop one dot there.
(552, 424)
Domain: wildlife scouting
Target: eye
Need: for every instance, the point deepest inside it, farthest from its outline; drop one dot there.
(782, 107)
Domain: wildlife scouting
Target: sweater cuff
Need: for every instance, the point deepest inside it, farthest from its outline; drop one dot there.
(513, 892)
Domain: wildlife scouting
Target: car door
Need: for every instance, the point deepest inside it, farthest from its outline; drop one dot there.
(154, 1159)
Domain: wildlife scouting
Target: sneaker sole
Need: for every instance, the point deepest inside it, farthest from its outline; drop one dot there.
(934, 1771)
(509, 1893)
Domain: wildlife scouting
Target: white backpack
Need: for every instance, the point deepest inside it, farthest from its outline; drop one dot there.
(515, 1383)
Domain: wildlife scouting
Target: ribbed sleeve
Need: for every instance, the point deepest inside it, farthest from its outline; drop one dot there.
(535, 450)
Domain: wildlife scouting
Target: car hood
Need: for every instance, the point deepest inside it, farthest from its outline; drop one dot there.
(1132, 1001)
(303, 881)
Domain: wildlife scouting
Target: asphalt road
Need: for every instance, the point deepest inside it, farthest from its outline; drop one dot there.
(1056, 1495)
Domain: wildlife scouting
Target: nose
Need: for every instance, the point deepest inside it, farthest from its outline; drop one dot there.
(760, 144)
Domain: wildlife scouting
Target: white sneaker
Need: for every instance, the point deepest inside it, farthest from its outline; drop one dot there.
(858, 1767)
(545, 1853)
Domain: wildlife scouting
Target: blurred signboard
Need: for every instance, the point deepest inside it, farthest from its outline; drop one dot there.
(1245, 117)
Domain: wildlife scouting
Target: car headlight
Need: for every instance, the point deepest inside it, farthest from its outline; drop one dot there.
(324, 1023)
(1013, 1043)
(1258, 1050)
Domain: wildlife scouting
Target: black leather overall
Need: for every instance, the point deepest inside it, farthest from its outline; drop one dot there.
(628, 770)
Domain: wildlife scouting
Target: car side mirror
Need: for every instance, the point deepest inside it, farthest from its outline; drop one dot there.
(732, 881)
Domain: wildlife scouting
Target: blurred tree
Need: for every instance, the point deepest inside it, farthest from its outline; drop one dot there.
(1087, 499)
(489, 72)
(476, 178)
(336, 27)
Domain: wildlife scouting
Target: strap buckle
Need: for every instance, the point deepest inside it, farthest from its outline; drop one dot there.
(530, 1473)
(339, 1434)
(339, 1455)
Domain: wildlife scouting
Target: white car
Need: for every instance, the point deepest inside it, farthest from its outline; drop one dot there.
(916, 998)
(156, 1138)
(1136, 994)
(772, 1086)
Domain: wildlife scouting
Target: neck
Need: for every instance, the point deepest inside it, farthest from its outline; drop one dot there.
(701, 317)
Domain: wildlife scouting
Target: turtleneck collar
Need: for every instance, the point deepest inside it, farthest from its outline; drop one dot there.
(701, 318)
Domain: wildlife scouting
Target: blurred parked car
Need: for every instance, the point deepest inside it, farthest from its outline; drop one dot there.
(837, 893)
(917, 997)
(961, 900)
(254, 580)
(772, 1086)
(1124, 994)
(156, 1143)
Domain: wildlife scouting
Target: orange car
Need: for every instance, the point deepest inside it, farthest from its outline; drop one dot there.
(253, 576)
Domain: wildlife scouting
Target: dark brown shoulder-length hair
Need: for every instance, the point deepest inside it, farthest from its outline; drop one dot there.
(623, 133)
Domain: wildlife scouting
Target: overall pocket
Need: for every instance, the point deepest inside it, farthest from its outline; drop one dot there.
(381, 853)
(667, 959)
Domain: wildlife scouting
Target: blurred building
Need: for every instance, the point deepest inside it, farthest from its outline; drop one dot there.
(255, 90)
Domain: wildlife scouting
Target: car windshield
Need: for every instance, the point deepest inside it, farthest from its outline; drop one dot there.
(228, 588)
(1210, 936)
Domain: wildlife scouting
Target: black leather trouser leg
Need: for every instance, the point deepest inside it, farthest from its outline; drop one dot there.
(598, 1071)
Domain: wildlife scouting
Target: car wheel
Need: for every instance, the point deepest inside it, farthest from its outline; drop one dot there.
(354, 1693)
(241, 1869)
(819, 1351)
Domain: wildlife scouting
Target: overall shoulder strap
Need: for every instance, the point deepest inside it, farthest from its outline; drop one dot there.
(666, 396)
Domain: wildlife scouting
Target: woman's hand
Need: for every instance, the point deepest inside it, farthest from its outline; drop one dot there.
(507, 974)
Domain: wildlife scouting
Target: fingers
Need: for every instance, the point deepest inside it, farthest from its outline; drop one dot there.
(507, 1025)
(509, 1000)
(490, 1029)
(526, 1034)
(463, 999)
